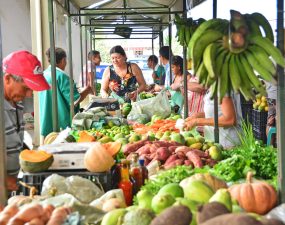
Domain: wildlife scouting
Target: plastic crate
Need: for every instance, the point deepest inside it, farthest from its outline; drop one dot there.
(246, 109)
(259, 121)
(37, 179)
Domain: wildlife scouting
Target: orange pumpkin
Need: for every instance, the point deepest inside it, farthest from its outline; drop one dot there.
(254, 196)
(97, 159)
(112, 147)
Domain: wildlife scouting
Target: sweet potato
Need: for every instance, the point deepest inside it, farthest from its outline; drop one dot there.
(232, 219)
(35, 221)
(200, 153)
(144, 149)
(162, 153)
(181, 155)
(132, 147)
(171, 158)
(184, 149)
(172, 148)
(153, 148)
(271, 221)
(188, 163)
(178, 215)
(30, 212)
(166, 143)
(211, 162)
(195, 159)
(15, 221)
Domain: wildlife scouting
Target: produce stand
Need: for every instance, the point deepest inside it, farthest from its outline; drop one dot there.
(205, 158)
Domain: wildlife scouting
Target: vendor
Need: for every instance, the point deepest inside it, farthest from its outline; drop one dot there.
(122, 78)
(158, 74)
(229, 120)
(63, 95)
(22, 75)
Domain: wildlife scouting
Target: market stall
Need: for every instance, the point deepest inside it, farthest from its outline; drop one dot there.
(106, 182)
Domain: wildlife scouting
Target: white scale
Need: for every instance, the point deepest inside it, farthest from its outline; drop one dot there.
(67, 155)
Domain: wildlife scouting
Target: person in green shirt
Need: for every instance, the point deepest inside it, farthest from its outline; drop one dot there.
(158, 70)
(63, 95)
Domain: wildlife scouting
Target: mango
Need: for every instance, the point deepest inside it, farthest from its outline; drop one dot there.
(105, 139)
(177, 137)
(144, 198)
(197, 145)
(173, 189)
(222, 196)
(215, 153)
(189, 141)
(198, 191)
(112, 217)
(161, 202)
(134, 138)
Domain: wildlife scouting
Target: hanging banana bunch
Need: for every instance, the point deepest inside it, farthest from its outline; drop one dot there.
(185, 28)
(232, 55)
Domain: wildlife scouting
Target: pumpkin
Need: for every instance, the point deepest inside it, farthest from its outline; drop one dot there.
(84, 136)
(97, 159)
(34, 161)
(112, 147)
(50, 138)
(254, 196)
(214, 182)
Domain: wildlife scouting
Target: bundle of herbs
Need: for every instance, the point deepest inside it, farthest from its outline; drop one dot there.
(249, 155)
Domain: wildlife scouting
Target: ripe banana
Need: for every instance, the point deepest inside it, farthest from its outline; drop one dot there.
(263, 22)
(268, 46)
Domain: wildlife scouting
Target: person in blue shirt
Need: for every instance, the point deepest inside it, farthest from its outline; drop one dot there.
(158, 70)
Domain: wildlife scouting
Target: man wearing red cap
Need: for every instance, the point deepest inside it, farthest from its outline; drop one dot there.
(23, 74)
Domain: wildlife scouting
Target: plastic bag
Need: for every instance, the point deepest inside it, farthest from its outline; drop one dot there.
(83, 189)
(158, 105)
(277, 213)
(116, 193)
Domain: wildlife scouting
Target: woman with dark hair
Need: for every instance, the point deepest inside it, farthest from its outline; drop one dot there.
(122, 78)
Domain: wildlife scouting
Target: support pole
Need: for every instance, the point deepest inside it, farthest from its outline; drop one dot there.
(185, 66)
(216, 113)
(170, 52)
(81, 56)
(71, 82)
(280, 120)
(86, 56)
(3, 187)
(53, 67)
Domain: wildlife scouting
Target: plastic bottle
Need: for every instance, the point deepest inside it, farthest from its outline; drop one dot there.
(144, 171)
(135, 173)
(125, 184)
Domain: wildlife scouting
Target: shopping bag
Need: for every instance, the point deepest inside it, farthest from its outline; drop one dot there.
(159, 105)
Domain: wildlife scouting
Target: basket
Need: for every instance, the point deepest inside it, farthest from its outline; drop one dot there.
(259, 121)
(246, 109)
(36, 179)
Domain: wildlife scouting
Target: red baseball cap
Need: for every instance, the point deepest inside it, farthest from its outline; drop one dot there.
(26, 65)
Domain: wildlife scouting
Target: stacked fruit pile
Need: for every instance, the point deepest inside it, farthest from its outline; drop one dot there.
(228, 55)
(260, 103)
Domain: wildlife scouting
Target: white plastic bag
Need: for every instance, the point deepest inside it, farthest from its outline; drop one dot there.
(159, 105)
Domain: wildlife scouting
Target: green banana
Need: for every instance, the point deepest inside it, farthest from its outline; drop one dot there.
(223, 80)
(253, 26)
(268, 46)
(263, 22)
(245, 68)
(202, 74)
(181, 34)
(262, 71)
(187, 34)
(220, 58)
(261, 55)
(209, 57)
(247, 93)
(234, 73)
(213, 90)
(199, 32)
(200, 45)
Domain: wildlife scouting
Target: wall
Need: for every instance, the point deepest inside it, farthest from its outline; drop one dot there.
(16, 30)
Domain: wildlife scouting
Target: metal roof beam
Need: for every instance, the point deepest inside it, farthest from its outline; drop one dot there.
(125, 13)
(123, 25)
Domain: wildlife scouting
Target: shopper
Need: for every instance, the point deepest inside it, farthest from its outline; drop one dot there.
(94, 59)
(22, 75)
(63, 95)
(158, 74)
(229, 119)
(164, 59)
(122, 78)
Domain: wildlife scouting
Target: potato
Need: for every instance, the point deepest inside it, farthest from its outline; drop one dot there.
(232, 219)
(178, 215)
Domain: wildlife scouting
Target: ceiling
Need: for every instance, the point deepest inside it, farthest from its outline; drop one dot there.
(144, 17)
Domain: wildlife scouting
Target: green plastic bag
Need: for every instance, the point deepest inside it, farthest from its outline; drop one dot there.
(176, 99)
